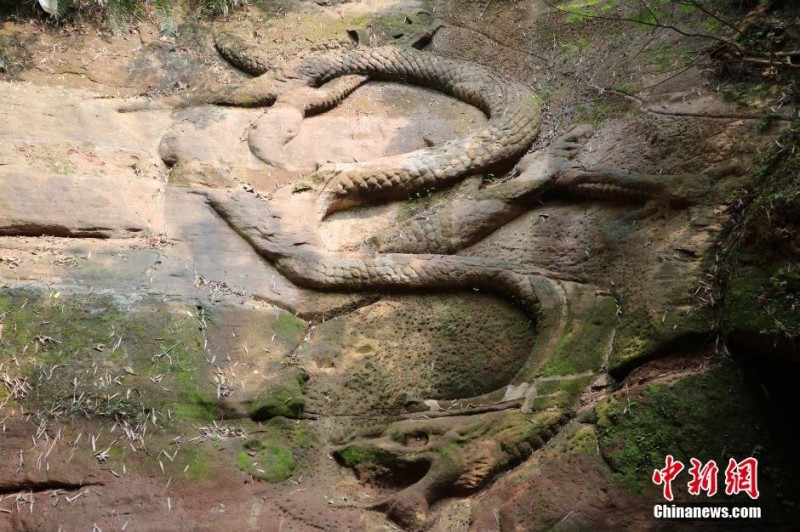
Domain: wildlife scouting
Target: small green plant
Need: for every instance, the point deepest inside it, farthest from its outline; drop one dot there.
(122, 14)
(489, 179)
(665, 58)
(422, 194)
(580, 10)
(582, 44)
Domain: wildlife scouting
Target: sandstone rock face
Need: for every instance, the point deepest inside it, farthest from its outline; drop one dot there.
(89, 207)
(383, 298)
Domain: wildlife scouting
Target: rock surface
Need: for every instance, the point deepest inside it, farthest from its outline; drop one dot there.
(158, 372)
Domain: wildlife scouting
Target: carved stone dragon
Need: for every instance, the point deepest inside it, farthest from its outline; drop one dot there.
(284, 227)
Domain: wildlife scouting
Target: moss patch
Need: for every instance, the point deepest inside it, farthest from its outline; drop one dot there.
(643, 334)
(714, 415)
(560, 393)
(279, 450)
(371, 464)
(760, 279)
(355, 454)
(583, 440)
(290, 328)
(142, 363)
(519, 435)
(742, 308)
(196, 463)
(283, 397)
(583, 348)
(273, 463)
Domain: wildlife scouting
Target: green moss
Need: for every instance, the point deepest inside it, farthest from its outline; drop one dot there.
(281, 398)
(544, 402)
(582, 10)
(568, 386)
(581, 44)
(666, 58)
(282, 402)
(52, 329)
(518, 435)
(451, 459)
(742, 309)
(366, 348)
(487, 368)
(583, 440)
(759, 279)
(561, 393)
(761, 310)
(145, 362)
(196, 462)
(180, 360)
(638, 333)
(710, 415)
(583, 348)
(290, 327)
(281, 449)
(642, 333)
(196, 407)
(273, 463)
(361, 428)
(355, 454)
(244, 462)
(498, 345)
(516, 426)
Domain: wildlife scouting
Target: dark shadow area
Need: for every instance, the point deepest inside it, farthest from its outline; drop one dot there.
(16, 9)
(384, 470)
(772, 384)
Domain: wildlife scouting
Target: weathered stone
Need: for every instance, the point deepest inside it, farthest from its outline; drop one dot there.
(70, 206)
